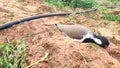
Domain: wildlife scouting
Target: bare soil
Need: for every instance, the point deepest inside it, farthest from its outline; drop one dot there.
(41, 36)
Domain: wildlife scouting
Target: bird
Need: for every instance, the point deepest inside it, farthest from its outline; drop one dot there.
(82, 34)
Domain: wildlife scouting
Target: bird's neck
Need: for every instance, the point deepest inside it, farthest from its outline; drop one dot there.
(97, 39)
(94, 39)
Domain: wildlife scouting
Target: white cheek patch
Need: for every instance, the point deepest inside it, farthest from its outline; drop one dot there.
(98, 41)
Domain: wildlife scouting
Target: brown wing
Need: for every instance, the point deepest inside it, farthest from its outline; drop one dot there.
(73, 31)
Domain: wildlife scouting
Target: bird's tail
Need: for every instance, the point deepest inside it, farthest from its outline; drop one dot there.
(56, 25)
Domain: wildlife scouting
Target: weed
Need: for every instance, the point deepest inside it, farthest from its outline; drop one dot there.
(57, 3)
(105, 23)
(101, 9)
(40, 60)
(4, 21)
(94, 46)
(111, 17)
(73, 3)
(115, 2)
(72, 20)
(119, 31)
(20, 0)
(96, 32)
(12, 54)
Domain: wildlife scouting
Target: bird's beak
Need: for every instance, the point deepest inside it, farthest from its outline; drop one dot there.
(107, 49)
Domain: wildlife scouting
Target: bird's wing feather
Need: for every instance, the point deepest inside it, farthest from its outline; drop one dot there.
(74, 31)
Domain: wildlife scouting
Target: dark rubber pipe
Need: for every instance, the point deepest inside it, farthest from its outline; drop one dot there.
(9, 24)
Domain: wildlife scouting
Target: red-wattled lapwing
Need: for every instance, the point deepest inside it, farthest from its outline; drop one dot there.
(82, 34)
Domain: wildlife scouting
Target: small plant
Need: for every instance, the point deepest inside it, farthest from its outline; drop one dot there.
(58, 3)
(115, 2)
(94, 46)
(83, 3)
(73, 3)
(112, 17)
(20, 0)
(12, 54)
(4, 21)
(96, 32)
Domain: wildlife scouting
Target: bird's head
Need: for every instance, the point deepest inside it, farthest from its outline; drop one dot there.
(104, 42)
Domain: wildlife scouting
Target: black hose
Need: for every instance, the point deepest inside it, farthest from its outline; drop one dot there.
(9, 24)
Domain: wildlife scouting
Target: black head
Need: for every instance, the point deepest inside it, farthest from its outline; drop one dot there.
(105, 42)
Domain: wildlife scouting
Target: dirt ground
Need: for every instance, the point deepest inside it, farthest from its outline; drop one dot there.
(41, 36)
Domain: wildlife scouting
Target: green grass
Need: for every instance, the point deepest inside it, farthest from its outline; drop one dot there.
(21, 0)
(57, 3)
(73, 3)
(94, 46)
(115, 2)
(111, 17)
(4, 21)
(12, 54)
